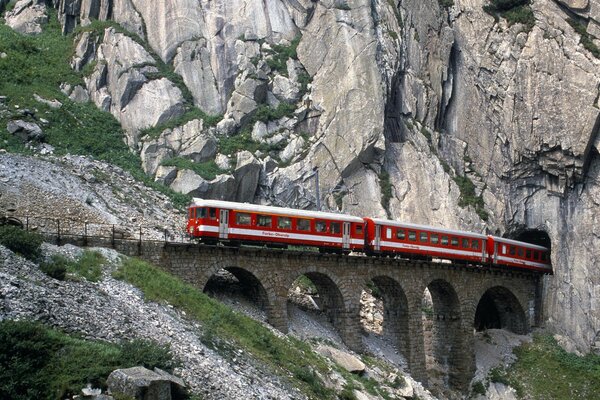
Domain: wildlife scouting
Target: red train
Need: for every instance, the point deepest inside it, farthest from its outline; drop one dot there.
(213, 220)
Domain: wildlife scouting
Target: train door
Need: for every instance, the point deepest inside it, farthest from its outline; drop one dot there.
(484, 252)
(377, 243)
(223, 224)
(346, 236)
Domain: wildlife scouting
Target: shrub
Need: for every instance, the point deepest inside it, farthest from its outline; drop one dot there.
(514, 11)
(88, 266)
(386, 190)
(207, 170)
(20, 241)
(585, 38)
(41, 363)
(56, 268)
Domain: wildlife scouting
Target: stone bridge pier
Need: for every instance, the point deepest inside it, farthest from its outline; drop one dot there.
(431, 309)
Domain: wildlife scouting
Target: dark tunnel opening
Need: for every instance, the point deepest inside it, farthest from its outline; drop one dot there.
(487, 315)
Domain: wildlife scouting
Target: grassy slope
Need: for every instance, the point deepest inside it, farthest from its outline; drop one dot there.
(545, 371)
(38, 65)
(41, 363)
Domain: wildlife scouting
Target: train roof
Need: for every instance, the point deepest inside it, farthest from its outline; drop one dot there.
(196, 202)
(517, 243)
(427, 227)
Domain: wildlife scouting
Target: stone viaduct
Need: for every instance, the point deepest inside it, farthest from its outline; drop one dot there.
(462, 295)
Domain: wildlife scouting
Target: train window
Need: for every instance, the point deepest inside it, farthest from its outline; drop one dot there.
(243, 219)
(445, 240)
(513, 250)
(303, 224)
(212, 213)
(263, 220)
(465, 243)
(520, 251)
(544, 257)
(284, 223)
(435, 238)
(388, 233)
(200, 212)
(536, 255)
(334, 227)
(528, 253)
(412, 236)
(475, 244)
(454, 241)
(423, 237)
(503, 249)
(320, 226)
(358, 230)
(400, 234)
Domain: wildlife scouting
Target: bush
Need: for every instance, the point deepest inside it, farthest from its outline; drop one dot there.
(514, 11)
(20, 241)
(88, 266)
(207, 170)
(41, 363)
(56, 268)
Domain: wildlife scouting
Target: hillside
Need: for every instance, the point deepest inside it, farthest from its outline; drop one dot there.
(477, 115)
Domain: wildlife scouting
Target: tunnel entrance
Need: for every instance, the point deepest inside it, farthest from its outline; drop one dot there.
(533, 236)
(500, 309)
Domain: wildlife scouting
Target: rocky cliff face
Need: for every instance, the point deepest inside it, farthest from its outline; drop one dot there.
(411, 109)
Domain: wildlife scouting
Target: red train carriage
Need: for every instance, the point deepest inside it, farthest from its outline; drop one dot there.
(518, 254)
(212, 220)
(393, 237)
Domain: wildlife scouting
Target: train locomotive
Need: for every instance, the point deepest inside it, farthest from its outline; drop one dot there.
(213, 221)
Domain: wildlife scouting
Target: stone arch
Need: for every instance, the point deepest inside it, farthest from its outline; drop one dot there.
(499, 308)
(445, 361)
(395, 311)
(248, 284)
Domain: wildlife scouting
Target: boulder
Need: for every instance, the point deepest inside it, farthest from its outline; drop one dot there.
(55, 104)
(178, 388)
(293, 149)
(188, 182)
(26, 131)
(286, 89)
(139, 383)
(165, 175)
(345, 360)
(79, 94)
(259, 131)
(27, 17)
(247, 173)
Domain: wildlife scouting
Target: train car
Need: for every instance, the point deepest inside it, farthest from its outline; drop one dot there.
(392, 237)
(512, 253)
(213, 220)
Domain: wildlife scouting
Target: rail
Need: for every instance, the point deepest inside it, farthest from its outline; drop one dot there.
(65, 230)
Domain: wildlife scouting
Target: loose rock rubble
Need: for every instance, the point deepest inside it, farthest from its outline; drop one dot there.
(113, 310)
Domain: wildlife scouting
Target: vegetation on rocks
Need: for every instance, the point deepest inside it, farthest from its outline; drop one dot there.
(207, 170)
(20, 241)
(88, 266)
(585, 39)
(41, 363)
(287, 356)
(544, 370)
(38, 65)
(280, 55)
(514, 11)
(468, 197)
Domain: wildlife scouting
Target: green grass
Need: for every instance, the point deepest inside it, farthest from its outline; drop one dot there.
(544, 370)
(286, 356)
(22, 242)
(41, 363)
(469, 198)
(514, 11)
(39, 64)
(585, 38)
(88, 266)
(386, 191)
(280, 55)
(207, 170)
